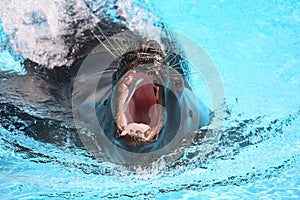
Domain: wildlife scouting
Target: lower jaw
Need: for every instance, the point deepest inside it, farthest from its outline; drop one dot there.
(144, 134)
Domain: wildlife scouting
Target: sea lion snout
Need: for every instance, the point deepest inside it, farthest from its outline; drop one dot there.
(138, 96)
(137, 104)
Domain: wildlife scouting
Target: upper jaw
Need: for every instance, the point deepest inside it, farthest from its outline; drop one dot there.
(138, 110)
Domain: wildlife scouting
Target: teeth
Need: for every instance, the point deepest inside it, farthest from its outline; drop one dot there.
(156, 91)
(127, 80)
(146, 134)
(139, 131)
(121, 119)
(119, 127)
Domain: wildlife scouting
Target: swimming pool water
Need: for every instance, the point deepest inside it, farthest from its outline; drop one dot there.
(255, 47)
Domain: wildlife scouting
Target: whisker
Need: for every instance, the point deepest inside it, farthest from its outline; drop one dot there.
(108, 41)
(176, 64)
(105, 71)
(118, 43)
(177, 67)
(190, 73)
(194, 73)
(173, 58)
(108, 50)
(168, 54)
(91, 53)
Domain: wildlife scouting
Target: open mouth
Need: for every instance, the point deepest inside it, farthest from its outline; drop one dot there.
(139, 111)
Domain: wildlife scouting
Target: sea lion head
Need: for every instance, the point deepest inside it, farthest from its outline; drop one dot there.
(135, 99)
(138, 97)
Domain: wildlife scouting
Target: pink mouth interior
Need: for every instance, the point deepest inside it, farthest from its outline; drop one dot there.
(144, 97)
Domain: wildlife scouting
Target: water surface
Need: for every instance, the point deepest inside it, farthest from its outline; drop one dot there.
(255, 47)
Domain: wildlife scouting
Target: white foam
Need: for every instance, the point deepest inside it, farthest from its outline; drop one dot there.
(36, 29)
(139, 19)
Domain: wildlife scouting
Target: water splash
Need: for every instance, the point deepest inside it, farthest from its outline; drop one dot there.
(48, 32)
(226, 164)
(39, 32)
(259, 146)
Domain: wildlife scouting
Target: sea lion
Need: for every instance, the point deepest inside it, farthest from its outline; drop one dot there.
(137, 105)
(131, 96)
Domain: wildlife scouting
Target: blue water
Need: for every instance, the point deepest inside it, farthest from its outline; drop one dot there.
(9, 61)
(255, 46)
